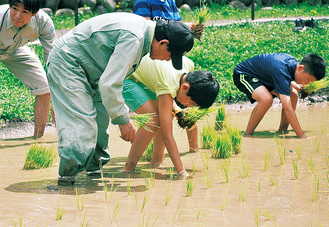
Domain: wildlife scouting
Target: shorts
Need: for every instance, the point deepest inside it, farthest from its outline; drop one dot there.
(136, 94)
(26, 66)
(247, 84)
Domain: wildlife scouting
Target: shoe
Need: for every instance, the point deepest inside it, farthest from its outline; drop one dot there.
(182, 175)
(299, 24)
(66, 181)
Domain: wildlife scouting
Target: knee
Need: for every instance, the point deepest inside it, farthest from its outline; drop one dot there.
(266, 100)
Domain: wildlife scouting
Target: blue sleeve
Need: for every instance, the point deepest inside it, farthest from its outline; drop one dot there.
(142, 8)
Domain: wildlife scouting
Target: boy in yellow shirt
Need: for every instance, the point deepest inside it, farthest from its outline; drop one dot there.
(152, 89)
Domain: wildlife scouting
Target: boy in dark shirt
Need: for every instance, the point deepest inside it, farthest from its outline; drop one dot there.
(268, 75)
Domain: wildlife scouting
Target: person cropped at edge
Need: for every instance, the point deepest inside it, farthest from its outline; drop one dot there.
(152, 89)
(21, 22)
(268, 75)
(166, 10)
(86, 70)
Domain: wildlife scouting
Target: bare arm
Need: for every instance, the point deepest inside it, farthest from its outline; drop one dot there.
(165, 115)
(291, 115)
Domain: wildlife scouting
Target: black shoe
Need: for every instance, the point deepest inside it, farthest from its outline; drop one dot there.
(66, 181)
(299, 24)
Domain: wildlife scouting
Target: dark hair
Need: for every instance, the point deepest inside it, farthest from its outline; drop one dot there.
(314, 65)
(160, 31)
(30, 5)
(204, 88)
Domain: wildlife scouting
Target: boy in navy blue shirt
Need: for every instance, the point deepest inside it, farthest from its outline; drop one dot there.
(268, 75)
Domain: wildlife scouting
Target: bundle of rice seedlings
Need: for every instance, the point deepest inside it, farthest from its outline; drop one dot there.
(147, 156)
(142, 120)
(220, 118)
(207, 137)
(236, 138)
(313, 87)
(203, 15)
(39, 156)
(222, 146)
(187, 118)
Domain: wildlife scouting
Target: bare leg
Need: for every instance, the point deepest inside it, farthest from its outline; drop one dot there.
(158, 150)
(264, 99)
(284, 123)
(41, 110)
(192, 136)
(143, 137)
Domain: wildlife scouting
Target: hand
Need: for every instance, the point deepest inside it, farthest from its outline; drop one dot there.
(197, 30)
(303, 137)
(128, 132)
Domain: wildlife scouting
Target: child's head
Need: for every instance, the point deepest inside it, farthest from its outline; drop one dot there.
(312, 67)
(21, 11)
(30, 5)
(172, 39)
(202, 89)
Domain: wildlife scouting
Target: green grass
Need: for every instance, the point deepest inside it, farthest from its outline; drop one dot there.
(39, 156)
(221, 50)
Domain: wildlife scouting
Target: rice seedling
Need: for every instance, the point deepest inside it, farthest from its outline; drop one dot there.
(206, 177)
(84, 223)
(236, 138)
(193, 167)
(295, 165)
(82, 201)
(220, 118)
(272, 180)
(39, 156)
(203, 15)
(226, 168)
(189, 187)
(116, 210)
(257, 216)
(222, 147)
(20, 221)
(112, 190)
(299, 150)
(150, 183)
(171, 174)
(143, 120)
(144, 203)
(207, 137)
(310, 164)
(59, 213)
(128, 186)
(316, 144)
(268, 216)
(205, 160)
(169, 195)
(177, 214)
(268, 160)
(244, 169)
(147, 155)
(313, 87)
(315, 190)
(243, 196)
(282, 150)
(187, 117)
(224, 204)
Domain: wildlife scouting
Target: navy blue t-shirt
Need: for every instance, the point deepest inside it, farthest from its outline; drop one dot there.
(273, 70)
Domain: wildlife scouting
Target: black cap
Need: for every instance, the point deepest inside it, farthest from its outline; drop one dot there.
(181, 41)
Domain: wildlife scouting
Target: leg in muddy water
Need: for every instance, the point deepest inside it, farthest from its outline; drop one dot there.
(41, 110)
(283, 127)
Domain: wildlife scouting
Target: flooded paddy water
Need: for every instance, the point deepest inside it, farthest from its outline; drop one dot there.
(256, 194)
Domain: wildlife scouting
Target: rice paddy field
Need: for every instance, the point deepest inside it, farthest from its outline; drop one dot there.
(274, 181)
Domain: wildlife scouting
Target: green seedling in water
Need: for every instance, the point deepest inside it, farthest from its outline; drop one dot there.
(236, 138)
(83, 223)
(220, 118)
(316, 144)
(226, 168)
(224, 204)
(82, 201)
(327, 179)
(222, 147)
(128, 186)
(39, 156)
(169, 195)
(244, 169)
(257, 216)
(116, 210)
(177, 214)
(315, 191)
(313, 87)
(268, 160)
(281, 149)
(147, 155)
(205, 160)
(272, 181)
(295, 165)
(144, 203)
(310, 164)
(299, 150)
(268, 216)
(171, 174)
(189, 187)
(208, 136)
(243, 196)
(193, 167)
(20, 220)
(150, 183)
(206, 177)
(59, 213)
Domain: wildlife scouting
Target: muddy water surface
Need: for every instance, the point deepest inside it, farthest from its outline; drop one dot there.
(252, 195)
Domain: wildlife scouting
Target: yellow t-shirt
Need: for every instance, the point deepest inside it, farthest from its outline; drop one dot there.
(160, 76)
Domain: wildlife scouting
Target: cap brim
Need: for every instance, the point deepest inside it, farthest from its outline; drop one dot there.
(177, 60)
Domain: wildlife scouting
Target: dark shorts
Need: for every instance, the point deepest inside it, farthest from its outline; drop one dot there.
(247, 84)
